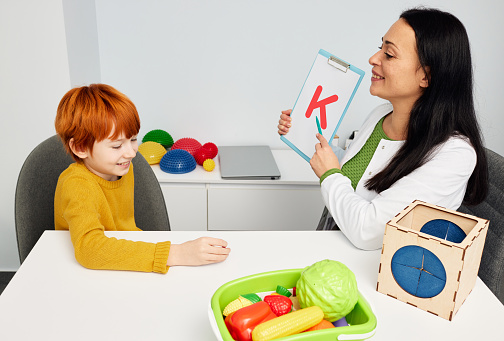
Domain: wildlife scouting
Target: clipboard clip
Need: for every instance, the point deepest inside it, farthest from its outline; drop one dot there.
(338, 64)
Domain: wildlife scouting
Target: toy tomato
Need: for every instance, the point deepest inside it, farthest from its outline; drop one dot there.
(241, 323)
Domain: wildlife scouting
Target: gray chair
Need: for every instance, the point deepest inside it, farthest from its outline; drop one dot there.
(34, 201)
(491, 269)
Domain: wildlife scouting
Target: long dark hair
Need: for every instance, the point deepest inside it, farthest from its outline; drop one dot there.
(445, 108)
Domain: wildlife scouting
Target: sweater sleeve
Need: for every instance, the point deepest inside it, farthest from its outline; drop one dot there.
(441, 181)
(86, 212)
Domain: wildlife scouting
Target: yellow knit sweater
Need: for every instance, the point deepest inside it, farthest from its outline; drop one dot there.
(88, 205)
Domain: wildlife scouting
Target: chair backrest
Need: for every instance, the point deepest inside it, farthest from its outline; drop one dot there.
(491, 269)
(34, 201)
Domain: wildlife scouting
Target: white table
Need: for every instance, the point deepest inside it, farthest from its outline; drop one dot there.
(52, 297)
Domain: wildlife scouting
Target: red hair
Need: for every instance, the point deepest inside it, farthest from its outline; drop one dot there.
(90, 113)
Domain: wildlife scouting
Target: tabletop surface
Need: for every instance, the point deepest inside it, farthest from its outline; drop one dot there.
(293, 169)
(53, 297)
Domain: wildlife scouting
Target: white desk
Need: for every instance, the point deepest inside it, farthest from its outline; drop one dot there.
(52, 297)
(201, 200)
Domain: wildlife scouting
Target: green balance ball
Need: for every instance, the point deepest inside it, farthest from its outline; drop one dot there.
(160, 136)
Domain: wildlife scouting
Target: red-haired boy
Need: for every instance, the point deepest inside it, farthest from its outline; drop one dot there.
(99, 126)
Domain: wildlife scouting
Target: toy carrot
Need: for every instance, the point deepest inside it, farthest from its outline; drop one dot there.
(324, 324)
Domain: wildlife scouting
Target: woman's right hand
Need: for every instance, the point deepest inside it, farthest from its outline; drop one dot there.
(285, 122)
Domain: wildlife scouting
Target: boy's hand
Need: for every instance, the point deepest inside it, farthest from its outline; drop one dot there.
(204, 250)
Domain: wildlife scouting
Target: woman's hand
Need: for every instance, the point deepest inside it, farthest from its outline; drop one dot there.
(285, 122)
(324, 157)
(201, 251)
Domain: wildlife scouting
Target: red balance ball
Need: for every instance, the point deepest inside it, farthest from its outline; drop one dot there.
(212, 148)
(188, 144)
(202, 154)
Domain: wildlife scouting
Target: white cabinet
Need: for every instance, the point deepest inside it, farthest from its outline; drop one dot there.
(201, 200)
(263, 207)
(186, 204)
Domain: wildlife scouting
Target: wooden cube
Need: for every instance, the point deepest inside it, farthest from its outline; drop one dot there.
(407, 259)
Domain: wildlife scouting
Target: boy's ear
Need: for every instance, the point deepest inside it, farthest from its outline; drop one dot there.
(81, 154)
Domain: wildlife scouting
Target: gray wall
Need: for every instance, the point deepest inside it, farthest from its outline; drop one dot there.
(33, 76)
(217, 71)
(82, 41)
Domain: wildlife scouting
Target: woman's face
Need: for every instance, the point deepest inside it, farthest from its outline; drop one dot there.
(397, 74)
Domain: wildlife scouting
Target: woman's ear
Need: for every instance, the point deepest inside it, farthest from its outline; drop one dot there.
(81, 154)
(424, 82)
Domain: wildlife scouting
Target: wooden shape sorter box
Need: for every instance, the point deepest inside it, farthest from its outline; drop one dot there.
(460, 260)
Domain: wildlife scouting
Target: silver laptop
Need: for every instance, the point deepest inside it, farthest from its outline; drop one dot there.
(247, 162)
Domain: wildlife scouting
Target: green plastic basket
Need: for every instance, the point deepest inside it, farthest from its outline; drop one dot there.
(361, 320)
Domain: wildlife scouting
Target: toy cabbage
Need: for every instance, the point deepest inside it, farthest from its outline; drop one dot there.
(330, 285)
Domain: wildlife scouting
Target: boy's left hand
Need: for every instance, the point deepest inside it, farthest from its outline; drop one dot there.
(324, 157)
(201, 251)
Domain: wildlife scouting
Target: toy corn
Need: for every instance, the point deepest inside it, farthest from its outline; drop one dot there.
(241, 302)
(288, 324)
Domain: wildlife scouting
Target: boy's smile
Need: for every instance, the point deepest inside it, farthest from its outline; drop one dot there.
(111, 159)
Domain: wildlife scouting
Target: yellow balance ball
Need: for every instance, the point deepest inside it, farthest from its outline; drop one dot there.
(209, 165)
(152, 151)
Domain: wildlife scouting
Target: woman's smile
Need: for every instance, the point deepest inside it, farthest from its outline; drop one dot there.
(376, 77)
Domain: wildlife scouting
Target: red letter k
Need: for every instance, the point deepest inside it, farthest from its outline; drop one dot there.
(315, 103)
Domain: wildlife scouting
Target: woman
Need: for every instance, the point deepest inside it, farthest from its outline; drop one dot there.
(423, 145)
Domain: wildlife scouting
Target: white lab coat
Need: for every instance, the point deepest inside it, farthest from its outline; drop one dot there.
(362, 214)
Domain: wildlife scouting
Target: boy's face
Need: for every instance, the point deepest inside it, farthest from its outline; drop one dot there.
(111, 159)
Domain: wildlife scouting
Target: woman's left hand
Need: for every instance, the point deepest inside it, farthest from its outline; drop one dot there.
(324, 157)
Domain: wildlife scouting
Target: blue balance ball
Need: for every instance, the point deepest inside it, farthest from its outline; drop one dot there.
(418, 271)
(444, 229)
(177, 161)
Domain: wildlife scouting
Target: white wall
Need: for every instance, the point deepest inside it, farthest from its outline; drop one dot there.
(33, 78)
(217, 71)
(82, 41)
(222, 70)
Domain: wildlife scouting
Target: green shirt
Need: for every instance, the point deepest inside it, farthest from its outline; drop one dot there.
(356, 166)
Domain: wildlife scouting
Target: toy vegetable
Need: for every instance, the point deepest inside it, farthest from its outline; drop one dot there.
(295, 303)
(283, 291)
(331, 286)
(324, 324)
(288, 324)
(241, 302)
(241, 323)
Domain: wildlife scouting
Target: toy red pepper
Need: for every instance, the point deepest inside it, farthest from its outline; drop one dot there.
(241, 323)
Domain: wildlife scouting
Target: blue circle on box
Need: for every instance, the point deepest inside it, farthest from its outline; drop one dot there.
(418, 271)
(444, 229)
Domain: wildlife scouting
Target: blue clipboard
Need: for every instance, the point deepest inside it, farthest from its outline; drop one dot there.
(322, 103)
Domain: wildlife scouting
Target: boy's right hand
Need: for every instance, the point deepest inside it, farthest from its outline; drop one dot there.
(201, 251)
(285, 122)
